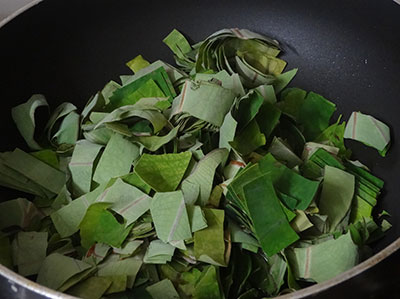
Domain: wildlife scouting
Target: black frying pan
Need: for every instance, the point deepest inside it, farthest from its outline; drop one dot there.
(347, 50)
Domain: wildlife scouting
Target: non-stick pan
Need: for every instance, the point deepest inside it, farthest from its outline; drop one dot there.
(346, 50)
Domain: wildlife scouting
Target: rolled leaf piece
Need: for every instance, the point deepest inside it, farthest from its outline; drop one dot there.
(24, 117)
(368, 130)
(325, 260)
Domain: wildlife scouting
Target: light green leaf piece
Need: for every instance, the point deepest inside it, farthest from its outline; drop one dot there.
(252, 77)
(196, 218)
(325, 260)
(39, 172)
(270, 223)
(360, 209)
(129, 248)
(268, 93)
(163, 172)
(92, 288)
(99, 225)
(56, 117)
(368, 130)
(137, 63)
(50, 274)
(284, 79)
(11, 178)
(311, 147)
(158, 252)
(203, 175)
(300, 222)
(29, 251)
(336, 196)
(178, 44)
(82, 164)
(154, 143)
(67, 219)
(386, 225)
(99, 136)
(47, 156)
(127, 200)
(163, 289)
(209, 243)
(19, 212)
(231, 82)
(227, 131)
(116, 159)
(68, 131)
(129, 267)
(24, 117)
(134, 179)
(96, 254)
(207, 101)
(170, 218)
(95, 103)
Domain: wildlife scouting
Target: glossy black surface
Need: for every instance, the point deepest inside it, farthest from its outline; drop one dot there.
(349, 51)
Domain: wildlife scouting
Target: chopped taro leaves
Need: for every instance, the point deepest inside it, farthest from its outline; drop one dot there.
(212, 179)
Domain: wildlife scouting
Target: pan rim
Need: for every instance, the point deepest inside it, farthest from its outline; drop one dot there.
(14, 278)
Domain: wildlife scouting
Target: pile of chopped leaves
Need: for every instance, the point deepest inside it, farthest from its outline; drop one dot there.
(207, 180)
